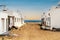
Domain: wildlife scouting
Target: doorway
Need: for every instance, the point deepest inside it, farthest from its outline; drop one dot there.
(2, 19)
(10, 21)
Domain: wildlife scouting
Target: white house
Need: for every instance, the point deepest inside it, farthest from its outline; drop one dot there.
(52, 18)
(8, 19)
(14, 19)
(3, 22)
(18, 20)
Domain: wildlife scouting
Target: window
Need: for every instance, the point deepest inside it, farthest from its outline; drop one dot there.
(15, 19)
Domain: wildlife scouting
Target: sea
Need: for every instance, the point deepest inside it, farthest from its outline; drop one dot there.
(32, 21)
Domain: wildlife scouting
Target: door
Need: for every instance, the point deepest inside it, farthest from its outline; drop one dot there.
(10, 21)
(2, 19)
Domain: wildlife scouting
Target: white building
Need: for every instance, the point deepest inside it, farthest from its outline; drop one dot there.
(14, 19)
(18, 20)
(52, 18)
(3, 22)
(9, 19)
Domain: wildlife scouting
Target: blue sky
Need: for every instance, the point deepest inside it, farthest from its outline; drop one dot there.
(30, 7)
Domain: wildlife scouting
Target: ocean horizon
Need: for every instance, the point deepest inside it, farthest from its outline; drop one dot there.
(32, 20)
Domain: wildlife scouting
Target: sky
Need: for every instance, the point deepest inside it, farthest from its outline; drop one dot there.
(30, 8)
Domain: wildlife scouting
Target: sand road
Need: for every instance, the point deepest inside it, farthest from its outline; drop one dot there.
(32, 32)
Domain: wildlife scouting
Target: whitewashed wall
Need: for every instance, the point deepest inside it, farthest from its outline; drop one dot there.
(55, 17)
(3, 15)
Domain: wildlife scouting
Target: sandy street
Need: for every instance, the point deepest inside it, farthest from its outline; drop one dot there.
(32, 32)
